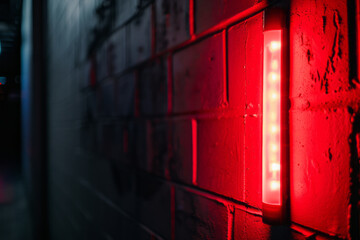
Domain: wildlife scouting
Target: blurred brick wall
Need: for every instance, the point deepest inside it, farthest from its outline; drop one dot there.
(155, 120)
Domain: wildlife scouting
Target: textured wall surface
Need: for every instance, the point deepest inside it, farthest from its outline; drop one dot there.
(155, 119)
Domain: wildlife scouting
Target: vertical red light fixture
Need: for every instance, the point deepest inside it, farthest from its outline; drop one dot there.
(275, 119)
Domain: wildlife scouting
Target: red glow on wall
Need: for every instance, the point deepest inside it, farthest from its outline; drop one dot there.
(271, 187)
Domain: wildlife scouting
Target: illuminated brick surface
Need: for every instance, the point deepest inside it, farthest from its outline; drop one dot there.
(155, 128)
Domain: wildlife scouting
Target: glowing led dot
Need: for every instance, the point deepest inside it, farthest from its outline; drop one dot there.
(275, 167)
(274, 129)
(274, 147)
(274, 96)
(274, 185)
(274, 46)
(274, 64)
(273, 76)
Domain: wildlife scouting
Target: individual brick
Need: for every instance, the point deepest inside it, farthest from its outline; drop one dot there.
(158, 153)
(245, 58)
(154, 204)
(101, 63)
(142, 143)
(199, 76)
(127, 144)
(125, 95)
(237, 40)
(125, 9)
(248, 226)
(220, 163)
(253, 161)
(208, 13)
(116, 144)
(183, 143)
(153, 88)
(106, 98)
(197, 217)
(320, 51)
(172, 21)
(117, 52)
(319, 169)
(254, 64)
(139, 47)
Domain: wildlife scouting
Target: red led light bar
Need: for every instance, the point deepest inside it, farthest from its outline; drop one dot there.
(275, 119)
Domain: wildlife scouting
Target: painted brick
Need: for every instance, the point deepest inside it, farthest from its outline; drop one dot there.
(245, 57)
(116, 52)
(125, 9)
(199, 76)
(124, 179)
(116, 144)
(237, 40)
(172, 21)
(220, 156)
(124, 146)
(125, 95)
(101, 63)
(106, 98)
(181, 163)
(153, 88)
(122, 119)
(142, 143)
(253, 161)
(254, 61)
(319, 169)
(247, 226)
(208, 13)
(154, 204)
(129, 143)
(197, 217)
(140, 47)
(158, 153)
(320, 52)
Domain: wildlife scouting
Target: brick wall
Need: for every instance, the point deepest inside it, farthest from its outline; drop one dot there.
(155, 120)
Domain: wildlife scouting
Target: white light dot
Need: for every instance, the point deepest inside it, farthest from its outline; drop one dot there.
(274, 129)
(274, 185)
(273, 76)
(274, 46)
(274, 147)
(275, 167)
